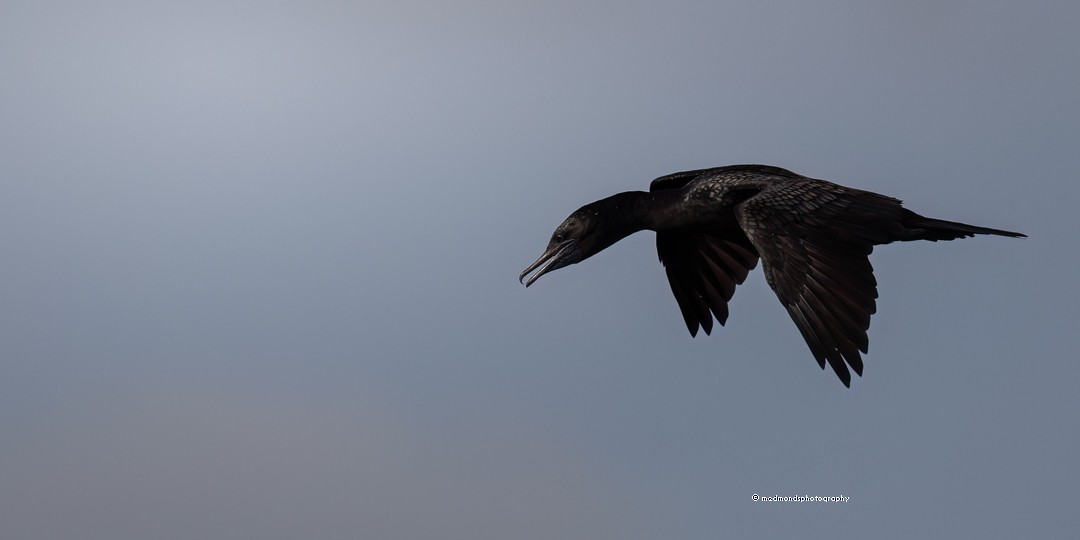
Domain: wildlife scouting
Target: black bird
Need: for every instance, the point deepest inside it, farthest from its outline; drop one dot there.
(813, 237)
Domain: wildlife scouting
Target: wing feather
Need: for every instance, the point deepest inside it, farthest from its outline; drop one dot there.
(814, 246)
(703, 267)
(704, 271)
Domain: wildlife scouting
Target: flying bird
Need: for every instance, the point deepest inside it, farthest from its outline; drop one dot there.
(712, 225)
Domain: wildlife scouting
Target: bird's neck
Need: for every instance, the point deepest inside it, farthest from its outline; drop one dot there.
(635, 211)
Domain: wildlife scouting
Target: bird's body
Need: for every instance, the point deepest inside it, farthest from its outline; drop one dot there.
(712, 225)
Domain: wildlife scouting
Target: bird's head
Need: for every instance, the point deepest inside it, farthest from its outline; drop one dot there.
(585, 233)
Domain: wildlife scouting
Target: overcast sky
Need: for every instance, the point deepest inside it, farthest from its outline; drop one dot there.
(258, 271)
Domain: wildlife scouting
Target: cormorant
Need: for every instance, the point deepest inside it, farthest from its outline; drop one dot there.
(712, 225)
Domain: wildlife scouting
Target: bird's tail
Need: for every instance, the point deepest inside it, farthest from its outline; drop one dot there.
(924, 228)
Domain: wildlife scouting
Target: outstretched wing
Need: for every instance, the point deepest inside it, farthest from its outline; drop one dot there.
(703, 268)
(814, 239)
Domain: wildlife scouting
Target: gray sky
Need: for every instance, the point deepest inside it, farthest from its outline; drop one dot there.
(259, 269)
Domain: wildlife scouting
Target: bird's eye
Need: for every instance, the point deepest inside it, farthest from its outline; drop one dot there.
(559, 238)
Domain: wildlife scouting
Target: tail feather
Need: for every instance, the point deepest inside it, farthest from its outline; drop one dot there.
(924, 228)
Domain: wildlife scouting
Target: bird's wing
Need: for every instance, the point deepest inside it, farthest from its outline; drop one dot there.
(676, 180)
(814, 239)
(680, 179)
(703, 268)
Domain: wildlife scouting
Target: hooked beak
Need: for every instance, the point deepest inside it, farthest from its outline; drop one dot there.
(556, 257)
